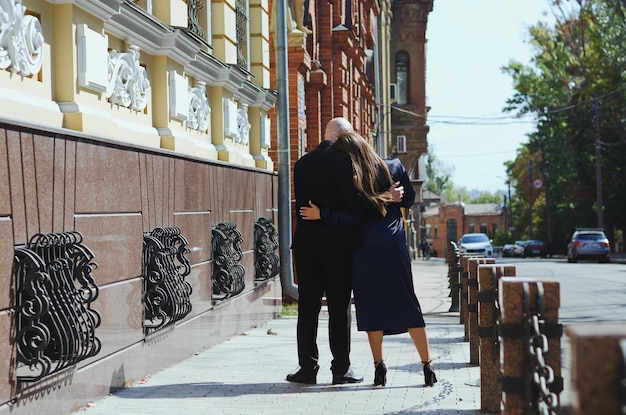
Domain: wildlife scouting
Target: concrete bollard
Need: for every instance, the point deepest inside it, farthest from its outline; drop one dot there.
(472, 305)
(488, 314)
(454, 269)
(518, 366)
(598, 369)
(463, 280)
(464, 273)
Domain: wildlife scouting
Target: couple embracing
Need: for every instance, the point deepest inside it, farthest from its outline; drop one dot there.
(349, 237)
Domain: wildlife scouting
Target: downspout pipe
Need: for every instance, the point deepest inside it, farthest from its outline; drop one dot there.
(284, 162)
(378, 82)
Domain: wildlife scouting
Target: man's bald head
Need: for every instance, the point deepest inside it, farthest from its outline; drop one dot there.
(336, 127)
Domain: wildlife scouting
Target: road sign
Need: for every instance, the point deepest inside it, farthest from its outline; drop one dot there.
(537, 183)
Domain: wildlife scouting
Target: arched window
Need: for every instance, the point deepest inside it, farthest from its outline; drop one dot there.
(402, 77)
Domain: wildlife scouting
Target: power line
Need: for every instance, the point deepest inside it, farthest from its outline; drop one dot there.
(500, 119)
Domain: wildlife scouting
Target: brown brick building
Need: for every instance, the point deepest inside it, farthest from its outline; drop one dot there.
(449, 221)
(331, 68)
(365, 61)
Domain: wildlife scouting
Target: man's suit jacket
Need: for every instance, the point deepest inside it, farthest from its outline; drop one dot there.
(324, 176)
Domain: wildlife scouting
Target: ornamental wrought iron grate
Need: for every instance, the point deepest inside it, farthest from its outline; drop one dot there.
(165, 266)
(193, 21)
(241, 12)
(228, 273)
(54, 291)
(265, 258)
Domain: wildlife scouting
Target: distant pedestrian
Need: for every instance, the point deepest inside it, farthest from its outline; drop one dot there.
(425, 249)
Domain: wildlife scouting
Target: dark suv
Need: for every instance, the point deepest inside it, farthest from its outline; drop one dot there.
(588, 244)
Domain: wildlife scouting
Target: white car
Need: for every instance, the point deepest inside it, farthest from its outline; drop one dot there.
(518, 248)
(476, 243)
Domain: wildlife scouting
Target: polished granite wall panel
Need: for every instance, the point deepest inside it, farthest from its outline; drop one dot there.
(5, 200)
(229, 317)
(245, 224)
(193, 188)
(196, 228)
(38, 183)
(7, 358)
(6, 263)
(248, 262)
(218, 188)
(6, 227)
(241, 203)
(120, 306)
(107, 179)
(43, 169)
(201, 289)
(267, 196)
(157, 193)
(59, 173)
(116, 242)
(119, 193)
(17, 190)
(69, 192)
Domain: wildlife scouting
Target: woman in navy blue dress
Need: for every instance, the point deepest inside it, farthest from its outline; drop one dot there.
(382, 280)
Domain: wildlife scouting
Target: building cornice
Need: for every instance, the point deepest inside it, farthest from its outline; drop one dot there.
(103, 9)
(137, 27)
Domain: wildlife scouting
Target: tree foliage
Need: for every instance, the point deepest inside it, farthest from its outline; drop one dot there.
(438, 174)
(575, 86)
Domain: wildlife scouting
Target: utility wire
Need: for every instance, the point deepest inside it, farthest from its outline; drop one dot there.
(502, 119)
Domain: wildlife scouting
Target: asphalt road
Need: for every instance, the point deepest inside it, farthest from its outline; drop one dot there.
(590, 292)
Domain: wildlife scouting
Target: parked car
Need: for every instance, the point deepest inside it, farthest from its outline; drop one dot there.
(534, 248)
(476, 243)
(588, 244)
(507, 250)
(518, 248)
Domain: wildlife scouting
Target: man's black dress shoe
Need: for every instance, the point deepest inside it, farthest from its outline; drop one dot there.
(308, 376)
(348, 377)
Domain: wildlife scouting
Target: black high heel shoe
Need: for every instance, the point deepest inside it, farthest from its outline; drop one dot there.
(380, 374)
(429, 374)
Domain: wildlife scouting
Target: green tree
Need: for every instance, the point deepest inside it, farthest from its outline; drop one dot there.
(438, 174)
(575, 85)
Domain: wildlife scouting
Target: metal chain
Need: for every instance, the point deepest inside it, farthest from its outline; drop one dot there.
(496, 315)
(621, 387)
(537, 342)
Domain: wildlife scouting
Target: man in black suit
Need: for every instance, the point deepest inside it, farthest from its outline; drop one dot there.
(323, 257)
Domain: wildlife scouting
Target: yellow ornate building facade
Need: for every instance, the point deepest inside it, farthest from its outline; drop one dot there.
(172, 74)
(137, 195)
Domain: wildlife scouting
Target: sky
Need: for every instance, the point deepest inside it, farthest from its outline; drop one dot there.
(468, 41)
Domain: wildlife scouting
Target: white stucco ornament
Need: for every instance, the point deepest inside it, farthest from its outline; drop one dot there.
(199, 109)
(21, 39)
(128, 80)
(243, 125)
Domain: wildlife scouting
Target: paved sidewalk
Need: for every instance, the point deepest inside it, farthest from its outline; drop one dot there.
(245, 374)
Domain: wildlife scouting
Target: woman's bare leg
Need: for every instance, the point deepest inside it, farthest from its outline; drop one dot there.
(420, 340)
(376, 344)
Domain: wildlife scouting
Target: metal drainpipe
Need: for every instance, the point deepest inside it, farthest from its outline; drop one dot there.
(284, 164)
(378, 82)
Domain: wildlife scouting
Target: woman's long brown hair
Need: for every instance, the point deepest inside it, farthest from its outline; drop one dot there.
(366, 166)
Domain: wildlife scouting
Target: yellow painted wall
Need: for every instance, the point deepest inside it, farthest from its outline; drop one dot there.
(171, 12)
